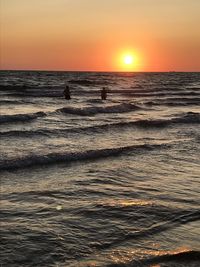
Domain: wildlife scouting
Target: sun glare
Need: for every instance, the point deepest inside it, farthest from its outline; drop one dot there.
(128, 59)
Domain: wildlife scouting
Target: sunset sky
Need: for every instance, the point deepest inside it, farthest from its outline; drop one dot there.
(95, 35)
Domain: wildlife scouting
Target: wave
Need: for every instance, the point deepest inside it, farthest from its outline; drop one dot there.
(36, 94)
(174, 102)
(21, 117)
(173, 220)
(184, 256)
(13, 87)
(6, 101)
(177, 257)
(33, 133)
(16, 101)
(87, 111)
(188, 118)
(154, 93)
(52, 158)
(32, 91)
(87, 82)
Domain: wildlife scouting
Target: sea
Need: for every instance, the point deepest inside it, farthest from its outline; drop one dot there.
(91, 182)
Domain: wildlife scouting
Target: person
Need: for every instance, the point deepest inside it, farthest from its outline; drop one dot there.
(66, 93)
(103, 94)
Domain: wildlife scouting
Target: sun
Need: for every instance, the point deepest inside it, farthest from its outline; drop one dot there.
(128, 59)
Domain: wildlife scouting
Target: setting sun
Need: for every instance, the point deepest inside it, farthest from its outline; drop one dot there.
(100, 132)
(128, 59)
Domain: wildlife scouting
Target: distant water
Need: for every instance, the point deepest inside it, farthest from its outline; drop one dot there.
(88, 182)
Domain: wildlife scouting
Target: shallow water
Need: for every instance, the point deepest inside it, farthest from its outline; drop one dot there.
(88, 182)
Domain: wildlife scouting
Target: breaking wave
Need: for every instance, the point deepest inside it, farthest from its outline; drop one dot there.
(87, 111)
(21, 117)
(51, 158)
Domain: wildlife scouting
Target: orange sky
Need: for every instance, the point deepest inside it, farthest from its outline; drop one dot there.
(92, 35)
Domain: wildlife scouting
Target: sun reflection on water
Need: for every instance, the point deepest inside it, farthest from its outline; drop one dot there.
(127, 202)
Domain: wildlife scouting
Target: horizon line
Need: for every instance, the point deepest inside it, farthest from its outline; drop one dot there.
(100, 71)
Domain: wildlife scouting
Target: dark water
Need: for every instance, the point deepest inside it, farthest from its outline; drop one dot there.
(100, 183)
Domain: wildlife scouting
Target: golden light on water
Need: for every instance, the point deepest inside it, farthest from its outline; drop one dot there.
(125, 203)
(127, 256)
(59, 207)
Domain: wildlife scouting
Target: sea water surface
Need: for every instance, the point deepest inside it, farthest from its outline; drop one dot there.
(88, 182)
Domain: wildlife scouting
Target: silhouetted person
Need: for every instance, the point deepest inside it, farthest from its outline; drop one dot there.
(66, 93)
(103, 94)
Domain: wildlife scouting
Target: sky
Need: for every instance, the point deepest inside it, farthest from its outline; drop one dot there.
(95, 35)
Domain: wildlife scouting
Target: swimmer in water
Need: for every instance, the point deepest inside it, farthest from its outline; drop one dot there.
(66, 93)
(103, 93)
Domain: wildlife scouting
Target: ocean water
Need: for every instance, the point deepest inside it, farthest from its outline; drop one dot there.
(88, 182)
